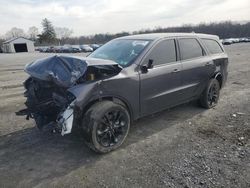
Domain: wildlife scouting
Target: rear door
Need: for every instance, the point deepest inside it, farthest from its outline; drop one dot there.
(160, 86)
(218, 56)
(197, 67)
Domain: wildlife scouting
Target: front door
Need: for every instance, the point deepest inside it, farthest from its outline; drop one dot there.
(160, 86)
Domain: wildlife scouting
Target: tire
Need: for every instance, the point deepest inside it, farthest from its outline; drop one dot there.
(105, 126)
(210, 96)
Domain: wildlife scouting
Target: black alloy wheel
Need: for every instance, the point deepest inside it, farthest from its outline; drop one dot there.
(210, 96)
(213, 95)
(112, 128)
(106, 125)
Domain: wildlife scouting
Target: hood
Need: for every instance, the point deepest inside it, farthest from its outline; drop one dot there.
(64, 70)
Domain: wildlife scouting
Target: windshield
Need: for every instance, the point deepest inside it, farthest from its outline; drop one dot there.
(123, 51)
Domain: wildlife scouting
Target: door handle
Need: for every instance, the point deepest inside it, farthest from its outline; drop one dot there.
(175, 71)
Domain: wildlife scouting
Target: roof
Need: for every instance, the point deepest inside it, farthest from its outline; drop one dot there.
(155, 36)
(10, 40)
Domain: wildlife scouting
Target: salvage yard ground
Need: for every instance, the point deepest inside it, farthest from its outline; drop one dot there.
(186, 146)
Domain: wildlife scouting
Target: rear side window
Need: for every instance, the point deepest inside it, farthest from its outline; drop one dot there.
(163, 53)
(213, 46)
(190, 48)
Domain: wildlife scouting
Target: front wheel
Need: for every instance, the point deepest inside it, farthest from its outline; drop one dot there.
(105, 126)
(210, 96)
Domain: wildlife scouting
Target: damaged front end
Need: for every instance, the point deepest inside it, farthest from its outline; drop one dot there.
(49, 100)
(49, 104)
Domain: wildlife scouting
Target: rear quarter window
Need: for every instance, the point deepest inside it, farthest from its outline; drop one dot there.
(212, 46)
(190, 48)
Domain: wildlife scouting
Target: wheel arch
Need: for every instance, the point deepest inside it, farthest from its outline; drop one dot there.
(218, 76)
(115, 99)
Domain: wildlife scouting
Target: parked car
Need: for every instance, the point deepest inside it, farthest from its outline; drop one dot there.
(235, 40)
(58, 49)
(244, 39)
(37, 49)
(44, 49)
(125, 79)
(76, 50)
(48, 49)
(227, 42)
(66, 49)
(86, 48)
(94, 46)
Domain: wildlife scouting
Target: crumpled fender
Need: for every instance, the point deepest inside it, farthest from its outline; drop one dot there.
(85, 92)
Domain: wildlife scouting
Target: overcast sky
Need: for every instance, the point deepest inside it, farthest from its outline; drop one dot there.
(101, 16)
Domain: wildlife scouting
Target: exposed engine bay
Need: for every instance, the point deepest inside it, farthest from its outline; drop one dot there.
(49, 102)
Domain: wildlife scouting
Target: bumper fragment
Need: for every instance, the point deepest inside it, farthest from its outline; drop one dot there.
(65, 120)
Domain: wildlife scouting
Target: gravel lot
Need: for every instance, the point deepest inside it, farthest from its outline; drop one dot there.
(186, 146)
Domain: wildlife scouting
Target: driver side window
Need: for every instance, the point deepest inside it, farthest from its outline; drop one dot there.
(163, 53)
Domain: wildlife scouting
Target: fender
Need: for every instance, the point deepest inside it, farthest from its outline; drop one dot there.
(117, 99)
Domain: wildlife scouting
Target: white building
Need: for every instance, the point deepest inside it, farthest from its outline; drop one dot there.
(19, 44)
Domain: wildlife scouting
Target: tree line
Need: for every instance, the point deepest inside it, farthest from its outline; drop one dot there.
(226, 29)
(60, 35)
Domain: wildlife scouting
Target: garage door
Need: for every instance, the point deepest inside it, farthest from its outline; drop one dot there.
(21, 47)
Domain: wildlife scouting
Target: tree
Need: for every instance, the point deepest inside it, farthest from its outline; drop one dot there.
(15, 32)
(48, 35)
(63, 33)
(1, 41)
(33, 33)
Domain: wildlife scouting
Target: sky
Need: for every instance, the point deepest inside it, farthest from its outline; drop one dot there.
(88, 17)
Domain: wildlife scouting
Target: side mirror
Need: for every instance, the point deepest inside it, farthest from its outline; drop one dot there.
(144, 68)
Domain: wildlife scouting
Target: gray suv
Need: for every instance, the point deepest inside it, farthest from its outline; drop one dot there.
(125, 79)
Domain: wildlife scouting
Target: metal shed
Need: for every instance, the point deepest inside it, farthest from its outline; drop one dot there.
(19, 44)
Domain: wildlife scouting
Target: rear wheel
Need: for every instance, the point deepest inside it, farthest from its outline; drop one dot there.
(106, 125)
(210, 96)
